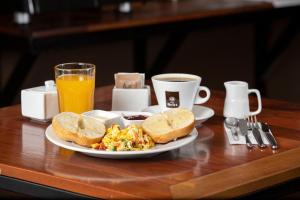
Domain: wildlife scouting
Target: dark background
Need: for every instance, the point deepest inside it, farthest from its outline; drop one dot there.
(217, 54)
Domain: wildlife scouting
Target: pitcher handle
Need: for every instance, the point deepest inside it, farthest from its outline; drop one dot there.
(258, 100)
(200, 100)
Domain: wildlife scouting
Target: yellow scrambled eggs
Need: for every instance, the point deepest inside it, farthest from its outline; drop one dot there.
(130, 138)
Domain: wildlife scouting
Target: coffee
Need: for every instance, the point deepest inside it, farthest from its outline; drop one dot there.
(176, 79)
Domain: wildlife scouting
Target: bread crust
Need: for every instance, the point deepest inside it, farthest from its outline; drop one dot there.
(173, 134)
(67, 135)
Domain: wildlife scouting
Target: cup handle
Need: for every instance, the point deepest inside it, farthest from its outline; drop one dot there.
(200, 100)
(258, 99)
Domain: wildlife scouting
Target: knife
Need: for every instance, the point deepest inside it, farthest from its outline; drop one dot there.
(257, 137)
(266, 129)
(244, 130)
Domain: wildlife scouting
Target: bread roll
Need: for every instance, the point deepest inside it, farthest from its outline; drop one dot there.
(169, 125)
(82, 130)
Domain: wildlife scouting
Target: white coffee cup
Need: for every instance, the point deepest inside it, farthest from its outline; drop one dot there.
(178, 90)
(237, 100)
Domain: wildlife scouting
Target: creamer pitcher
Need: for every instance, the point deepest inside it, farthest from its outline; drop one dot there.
(237, 100)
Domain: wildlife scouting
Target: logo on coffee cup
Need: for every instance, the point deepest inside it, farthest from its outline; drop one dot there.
(172, 99)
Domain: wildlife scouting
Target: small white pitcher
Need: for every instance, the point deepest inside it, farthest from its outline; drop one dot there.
(237, 100)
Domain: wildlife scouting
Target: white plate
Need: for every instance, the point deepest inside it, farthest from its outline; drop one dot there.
(201, 113)
(159, 148)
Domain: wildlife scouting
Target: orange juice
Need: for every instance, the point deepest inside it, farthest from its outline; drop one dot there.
(75, 92)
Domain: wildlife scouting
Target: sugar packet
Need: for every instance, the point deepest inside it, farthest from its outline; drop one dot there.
(129, 80)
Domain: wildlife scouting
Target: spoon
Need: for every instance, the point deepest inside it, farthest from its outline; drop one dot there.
(232, 124)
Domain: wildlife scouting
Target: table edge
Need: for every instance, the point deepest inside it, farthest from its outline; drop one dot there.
(242, 179)
(235, 181)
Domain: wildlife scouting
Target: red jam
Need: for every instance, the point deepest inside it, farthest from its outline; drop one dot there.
(136, 117)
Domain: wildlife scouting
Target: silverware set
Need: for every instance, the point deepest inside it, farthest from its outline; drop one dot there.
(254, 127)
(251, 124)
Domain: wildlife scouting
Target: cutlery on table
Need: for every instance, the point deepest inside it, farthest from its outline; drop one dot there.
(266, 129)
(242, 124)
(252, 122)
(232, 124)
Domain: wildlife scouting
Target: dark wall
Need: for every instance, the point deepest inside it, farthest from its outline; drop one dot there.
(42, 6)
(218, 55)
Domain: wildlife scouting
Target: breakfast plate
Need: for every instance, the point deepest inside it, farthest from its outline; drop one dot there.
(201, 113)
(159, 148)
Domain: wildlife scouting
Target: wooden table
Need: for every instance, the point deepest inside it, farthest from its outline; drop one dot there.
(209, 167)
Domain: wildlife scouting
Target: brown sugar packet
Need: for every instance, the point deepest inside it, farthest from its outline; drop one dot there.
(129, 80)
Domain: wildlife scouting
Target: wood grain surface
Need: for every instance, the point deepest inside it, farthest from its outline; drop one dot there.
(208, 167)
(153, 12)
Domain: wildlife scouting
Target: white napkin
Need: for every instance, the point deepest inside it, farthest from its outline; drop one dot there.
(242, 139)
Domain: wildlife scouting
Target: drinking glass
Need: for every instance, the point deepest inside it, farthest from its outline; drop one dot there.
(75, 84)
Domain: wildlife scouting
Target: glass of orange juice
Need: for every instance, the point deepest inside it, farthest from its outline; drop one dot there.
(75, 84)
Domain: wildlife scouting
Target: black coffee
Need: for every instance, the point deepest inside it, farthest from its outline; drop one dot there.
(176, 79)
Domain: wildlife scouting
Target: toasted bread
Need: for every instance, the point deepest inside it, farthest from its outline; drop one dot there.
(169, 125)
(82, 130)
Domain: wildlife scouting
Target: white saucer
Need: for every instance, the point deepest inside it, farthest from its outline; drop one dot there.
(201, 113)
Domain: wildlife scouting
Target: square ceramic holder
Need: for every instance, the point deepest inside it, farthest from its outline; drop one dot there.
(124, 99)
(40, 103)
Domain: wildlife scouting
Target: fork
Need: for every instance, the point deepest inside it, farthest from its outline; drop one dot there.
(253, 124)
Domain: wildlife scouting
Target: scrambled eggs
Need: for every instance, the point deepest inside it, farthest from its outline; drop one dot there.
(131, 138)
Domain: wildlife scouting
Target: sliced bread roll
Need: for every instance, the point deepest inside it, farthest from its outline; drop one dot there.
(76, 128)
(169, 125)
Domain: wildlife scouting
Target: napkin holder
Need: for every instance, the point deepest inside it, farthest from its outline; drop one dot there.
(124, 99)
(40, 103)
